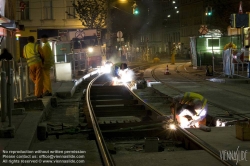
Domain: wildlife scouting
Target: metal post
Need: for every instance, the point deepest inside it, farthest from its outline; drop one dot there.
(27, 80)
(10, 98)
(74, 64)
(200, 59)
(3, 98)
(175, 109)
(230, 63)
(237, 68)
(242, 68)
(78, 58)
(121, 47)
(78, 63)
(73, 59)
(248, 70)
(15, 81)
(213, 61)
(86, 61)
(147, 51)
(21, 88)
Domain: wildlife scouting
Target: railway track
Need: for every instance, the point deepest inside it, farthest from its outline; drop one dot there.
(230, 115)
(118, 112)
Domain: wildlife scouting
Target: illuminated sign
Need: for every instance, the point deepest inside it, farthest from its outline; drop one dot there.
(213, 42)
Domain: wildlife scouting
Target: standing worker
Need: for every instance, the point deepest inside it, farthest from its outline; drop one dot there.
(48, 63)
(228, 66)
(191, 109)
(31, 52)
(173, 53)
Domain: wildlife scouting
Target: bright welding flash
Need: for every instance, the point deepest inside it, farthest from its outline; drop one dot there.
(172, 127)
(126, 75)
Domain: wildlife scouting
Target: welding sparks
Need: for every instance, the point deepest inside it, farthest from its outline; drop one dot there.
(172, 126)
(126, 75)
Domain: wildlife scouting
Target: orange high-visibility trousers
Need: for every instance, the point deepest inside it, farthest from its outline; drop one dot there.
(46, 80)
(36, 75)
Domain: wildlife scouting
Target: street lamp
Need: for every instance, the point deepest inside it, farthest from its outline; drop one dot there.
(123, 1)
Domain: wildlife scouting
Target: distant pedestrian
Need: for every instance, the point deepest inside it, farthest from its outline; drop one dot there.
(48, 63)
(173, 54)
(5, 55)
(31, 53)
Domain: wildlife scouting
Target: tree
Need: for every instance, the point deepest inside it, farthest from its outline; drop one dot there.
(92, 13)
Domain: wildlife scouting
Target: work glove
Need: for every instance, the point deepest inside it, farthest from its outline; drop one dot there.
(193, 122)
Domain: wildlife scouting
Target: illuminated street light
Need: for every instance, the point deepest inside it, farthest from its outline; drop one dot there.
(175, 7)
(169, 15)
(123, 1)
(173, 1)
(177, 11)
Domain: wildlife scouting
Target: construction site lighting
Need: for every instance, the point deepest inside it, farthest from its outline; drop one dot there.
(90, 49)
(123, 1)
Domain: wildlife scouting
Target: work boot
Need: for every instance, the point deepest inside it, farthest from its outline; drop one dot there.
(47, 93)
(39, 97)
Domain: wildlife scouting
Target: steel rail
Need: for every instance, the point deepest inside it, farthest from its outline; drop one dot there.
(211, 103)
(106, 157)
(197, 140)
(205, 146)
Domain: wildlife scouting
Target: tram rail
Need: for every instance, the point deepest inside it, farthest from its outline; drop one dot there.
(192, 137)
(154, 114)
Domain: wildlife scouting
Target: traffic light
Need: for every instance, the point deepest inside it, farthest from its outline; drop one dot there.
(209, 11)
(135, 9)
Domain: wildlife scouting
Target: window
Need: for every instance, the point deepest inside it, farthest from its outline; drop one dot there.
(47, 9)
(25, 11)
(70, 9)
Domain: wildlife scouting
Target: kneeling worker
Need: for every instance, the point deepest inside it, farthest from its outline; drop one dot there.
(118, 70)
(117, 67)
(191, 110)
